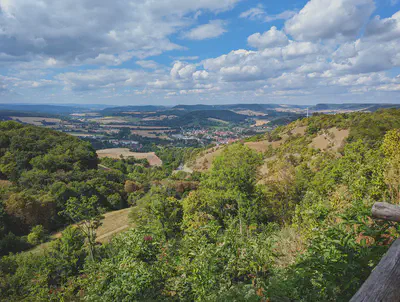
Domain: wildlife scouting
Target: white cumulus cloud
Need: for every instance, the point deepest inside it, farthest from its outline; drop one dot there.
(269, 39)
(213, 29)
(329, 19)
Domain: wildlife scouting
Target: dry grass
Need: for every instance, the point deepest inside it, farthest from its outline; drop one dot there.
(263, 146)
(116, 153)
(289, 245)
(5, 183)
(114, 222)
(299, 130)
(331, 139)
(204, 162)
(265, 169)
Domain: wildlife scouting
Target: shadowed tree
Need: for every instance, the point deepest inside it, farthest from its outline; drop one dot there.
(87, 214)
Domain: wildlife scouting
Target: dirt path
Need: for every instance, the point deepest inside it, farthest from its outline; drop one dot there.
(114, 223)
(102, 167)
(105, 237)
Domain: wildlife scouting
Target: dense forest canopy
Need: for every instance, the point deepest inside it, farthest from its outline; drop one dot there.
(288, 224)
(43, 169)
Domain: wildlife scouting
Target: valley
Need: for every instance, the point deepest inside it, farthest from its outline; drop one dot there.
(199, 150)
(264, 211)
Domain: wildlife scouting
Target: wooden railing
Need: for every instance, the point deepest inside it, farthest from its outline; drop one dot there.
(383, 285)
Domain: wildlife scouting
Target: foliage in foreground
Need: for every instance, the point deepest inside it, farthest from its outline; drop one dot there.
(227, 240)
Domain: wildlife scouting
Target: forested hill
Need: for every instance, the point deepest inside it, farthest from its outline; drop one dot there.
(40, 169)
(287, 221)
(25, 148)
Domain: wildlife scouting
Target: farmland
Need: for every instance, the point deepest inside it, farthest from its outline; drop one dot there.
(117, 153)
(142, 129)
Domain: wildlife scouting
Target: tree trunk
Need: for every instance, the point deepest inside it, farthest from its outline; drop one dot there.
(383, 285)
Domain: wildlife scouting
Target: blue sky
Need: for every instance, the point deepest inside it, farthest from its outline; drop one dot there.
(204, 51)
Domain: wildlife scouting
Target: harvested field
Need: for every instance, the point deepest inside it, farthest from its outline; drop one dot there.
(152, 133)
(331, 139)
(138, 112)
(108, 120)
(116, 153)
(137, 127)
(260, 123)
(250, 113)
(85, 134)
(159, 118)
(85, 114)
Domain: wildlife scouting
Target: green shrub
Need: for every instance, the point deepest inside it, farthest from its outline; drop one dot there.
(37, 235)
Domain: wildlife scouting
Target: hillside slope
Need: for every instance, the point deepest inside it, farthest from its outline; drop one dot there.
(328, 133)
(289, 222)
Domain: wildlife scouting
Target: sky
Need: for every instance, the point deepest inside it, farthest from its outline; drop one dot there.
(165, 52)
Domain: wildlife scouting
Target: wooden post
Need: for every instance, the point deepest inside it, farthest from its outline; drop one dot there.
(386, 211)
(383, 285)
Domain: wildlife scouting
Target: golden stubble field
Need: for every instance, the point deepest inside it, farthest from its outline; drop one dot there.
(116, 153)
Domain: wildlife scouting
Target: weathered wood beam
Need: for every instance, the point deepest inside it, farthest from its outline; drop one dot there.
(386, 211)
(383, 285)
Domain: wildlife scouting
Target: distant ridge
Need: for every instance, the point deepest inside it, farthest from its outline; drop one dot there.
(144, 108)
(353, 106)
(253, 107)
(179, 110)
(49, 109)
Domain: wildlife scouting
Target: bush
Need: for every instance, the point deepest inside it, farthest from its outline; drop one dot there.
(37, 235)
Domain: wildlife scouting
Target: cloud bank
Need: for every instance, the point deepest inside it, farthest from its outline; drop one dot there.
(329, 50)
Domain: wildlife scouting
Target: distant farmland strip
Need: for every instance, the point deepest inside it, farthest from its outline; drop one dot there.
(116, 153)
(136, 127)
